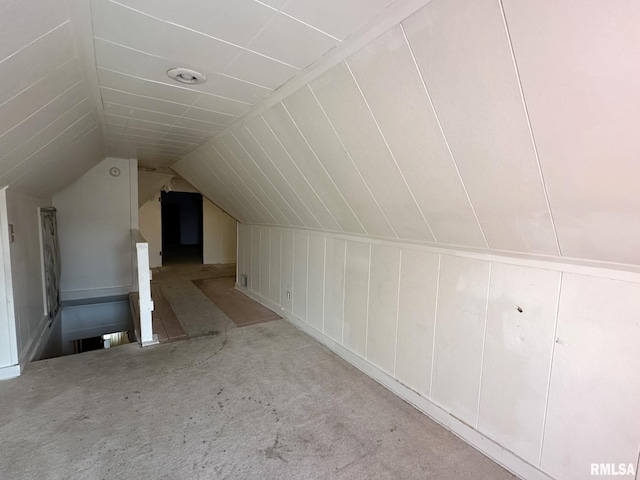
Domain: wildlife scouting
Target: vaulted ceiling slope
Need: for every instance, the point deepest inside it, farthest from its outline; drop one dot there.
(507, 126)
(49, 124)
(481, 124)
(82, 79)
(245, 48)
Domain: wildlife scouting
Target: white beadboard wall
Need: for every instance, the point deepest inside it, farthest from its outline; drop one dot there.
(531, 362)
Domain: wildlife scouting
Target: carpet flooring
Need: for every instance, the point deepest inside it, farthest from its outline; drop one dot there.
(259, 402)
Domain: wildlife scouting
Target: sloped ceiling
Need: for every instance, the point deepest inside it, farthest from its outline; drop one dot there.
(245, 48)
(49, 125)
(505, 126)
(478, 124)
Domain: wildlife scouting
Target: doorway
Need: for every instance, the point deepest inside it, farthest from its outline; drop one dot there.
(181, 214)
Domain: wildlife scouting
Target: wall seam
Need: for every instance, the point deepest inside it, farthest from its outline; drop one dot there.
(484, 344)
(395, 344)
(553, 351)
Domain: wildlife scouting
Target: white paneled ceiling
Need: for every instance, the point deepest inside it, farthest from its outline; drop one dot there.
(478, 124)
(245, 48)
(469, 124)
(49, 127)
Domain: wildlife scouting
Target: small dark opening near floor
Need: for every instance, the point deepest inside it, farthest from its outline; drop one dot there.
(181, 228)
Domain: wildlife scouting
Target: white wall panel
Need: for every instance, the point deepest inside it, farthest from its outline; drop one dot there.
(247, 253)
(274, 267)
(240, 265)
(463, 53)
(297, 147)
(289, 169)
(517, 356)
(315, 126)
(315, 286)
(95, 242)
(382, 321)
(460, 325)
(341, 99)
(580, 83)
(254, 278)
(356, 297)
(26, 272)
(265, 251)
(593, 413)
(286, 271)
(300, 262)
(334, 288)
(416, 319)
(388, 76)
(478, 340)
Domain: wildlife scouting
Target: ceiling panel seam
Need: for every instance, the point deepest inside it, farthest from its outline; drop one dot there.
(529, 127)
(45, 145)
(375, 200)
(233, 178)
(324, 169)
(446, 141)
(298, 168)
(42, 108)
(247, 188)
(34, 41)
(386, 19)
(251, 213)
(50, 124)
(270, 182)
(233, 200)
(177, 87)
(257, 181)
(295, 193)
(390, 151)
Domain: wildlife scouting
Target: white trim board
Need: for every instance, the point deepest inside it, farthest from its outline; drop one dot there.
(95, 293)
(12, 371)
(507, 459)
(626, 273)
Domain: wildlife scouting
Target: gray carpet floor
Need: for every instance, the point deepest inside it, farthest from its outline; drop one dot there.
(259, 402)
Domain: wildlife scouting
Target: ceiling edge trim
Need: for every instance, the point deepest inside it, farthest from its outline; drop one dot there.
(385, 20)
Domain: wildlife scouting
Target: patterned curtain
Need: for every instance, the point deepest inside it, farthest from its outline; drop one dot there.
(51, 257)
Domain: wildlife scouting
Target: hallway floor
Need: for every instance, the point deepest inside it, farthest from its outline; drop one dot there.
(259, 402)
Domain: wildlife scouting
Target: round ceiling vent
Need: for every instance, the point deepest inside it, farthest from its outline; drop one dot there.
(184, 75)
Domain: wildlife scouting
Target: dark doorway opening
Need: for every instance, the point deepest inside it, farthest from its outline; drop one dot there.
(181, 227)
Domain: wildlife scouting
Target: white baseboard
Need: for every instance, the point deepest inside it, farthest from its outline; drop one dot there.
(11, 371)
(473, 437)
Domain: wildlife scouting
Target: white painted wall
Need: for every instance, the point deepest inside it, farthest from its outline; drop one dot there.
(9, 365)
(218, 234)
(219, 229)
(546, 391)
(26, 269)
(95, 217)
(150, 220)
